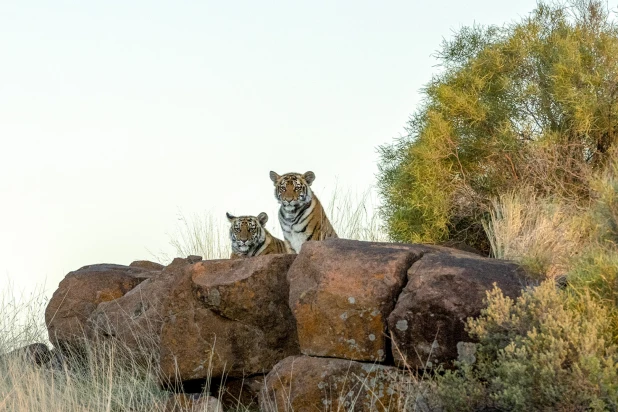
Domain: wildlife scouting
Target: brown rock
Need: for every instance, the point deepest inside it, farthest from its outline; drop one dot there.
(443, 290)
(194, 258)
(241, 394)
(78, 295)
(341, 293)
(228, 317)
(34, 354)
(462, 246)
(147, 265)
(305, 383)
(136, 319)
(182, 402)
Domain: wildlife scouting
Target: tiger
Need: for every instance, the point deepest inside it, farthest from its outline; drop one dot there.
(249, 237)
(301, 214)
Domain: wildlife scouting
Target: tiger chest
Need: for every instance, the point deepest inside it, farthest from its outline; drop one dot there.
(292, 233)
(296, 240)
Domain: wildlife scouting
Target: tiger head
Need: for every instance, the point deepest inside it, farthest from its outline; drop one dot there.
(293, 190)
(247, 232)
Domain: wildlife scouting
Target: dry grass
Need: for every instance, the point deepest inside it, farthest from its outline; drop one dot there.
(205, 236)
(106, 378)
(351, 214)
(542, 234)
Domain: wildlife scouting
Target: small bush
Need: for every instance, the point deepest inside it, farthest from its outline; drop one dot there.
(547, 350)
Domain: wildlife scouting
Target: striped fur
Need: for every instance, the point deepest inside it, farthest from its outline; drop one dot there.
(249, 237)
(301, 214)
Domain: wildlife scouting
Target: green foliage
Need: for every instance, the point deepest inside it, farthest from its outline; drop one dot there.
(545, 351)
(596, 271)
(526, 104)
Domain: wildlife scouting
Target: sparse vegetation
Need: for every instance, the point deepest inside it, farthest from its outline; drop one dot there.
(205, 236)
(549, 350)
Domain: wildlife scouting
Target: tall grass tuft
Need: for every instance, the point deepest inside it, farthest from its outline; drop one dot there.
(21, 318)
(201, 235)
(353, 215)
(542, 234)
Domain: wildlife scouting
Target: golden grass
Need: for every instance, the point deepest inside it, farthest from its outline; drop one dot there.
(542, 234)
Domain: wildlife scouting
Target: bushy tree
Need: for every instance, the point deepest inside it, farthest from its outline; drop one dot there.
(531, 103)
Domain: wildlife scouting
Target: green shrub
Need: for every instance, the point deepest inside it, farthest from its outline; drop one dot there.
(527, 104)
(547, 350)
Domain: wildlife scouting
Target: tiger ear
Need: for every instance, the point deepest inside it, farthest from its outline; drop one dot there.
(274, 176)
(309, 177)
(262, 218)
(230, 217)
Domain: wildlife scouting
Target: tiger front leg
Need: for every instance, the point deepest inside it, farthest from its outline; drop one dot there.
(288, 247)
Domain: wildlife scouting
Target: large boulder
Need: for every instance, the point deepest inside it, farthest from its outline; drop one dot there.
(228, 317)
(79, 294)
(341, 293)
(305, 383)
(443, 290)
(135, 320)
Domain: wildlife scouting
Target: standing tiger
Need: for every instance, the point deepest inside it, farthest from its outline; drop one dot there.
(301, 214)
(250, 238)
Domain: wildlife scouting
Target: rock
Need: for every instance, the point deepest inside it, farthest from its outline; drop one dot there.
(228, 317)
(443, 290)
(36, 354)
(135, 320)
(194, 258)
(466, 352)
(462, 246)
(305, 383)
(341, 293)
(78, 295)
(182, 402)
(241, 394)
(147, 265)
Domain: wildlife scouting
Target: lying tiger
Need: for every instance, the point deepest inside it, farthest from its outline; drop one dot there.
(250, 238)
(301, 214)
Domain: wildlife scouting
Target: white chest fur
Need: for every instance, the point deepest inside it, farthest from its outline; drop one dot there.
(296, 240)
(292, 232)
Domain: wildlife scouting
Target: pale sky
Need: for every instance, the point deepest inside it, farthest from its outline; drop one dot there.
(115, 115)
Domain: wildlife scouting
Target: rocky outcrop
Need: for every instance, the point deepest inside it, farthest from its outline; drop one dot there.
(79, 294)
(228, 317)
(341, 293)
(306, 383)
(135, 320)
(206, 319)
(338, 302)
(443, 290)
